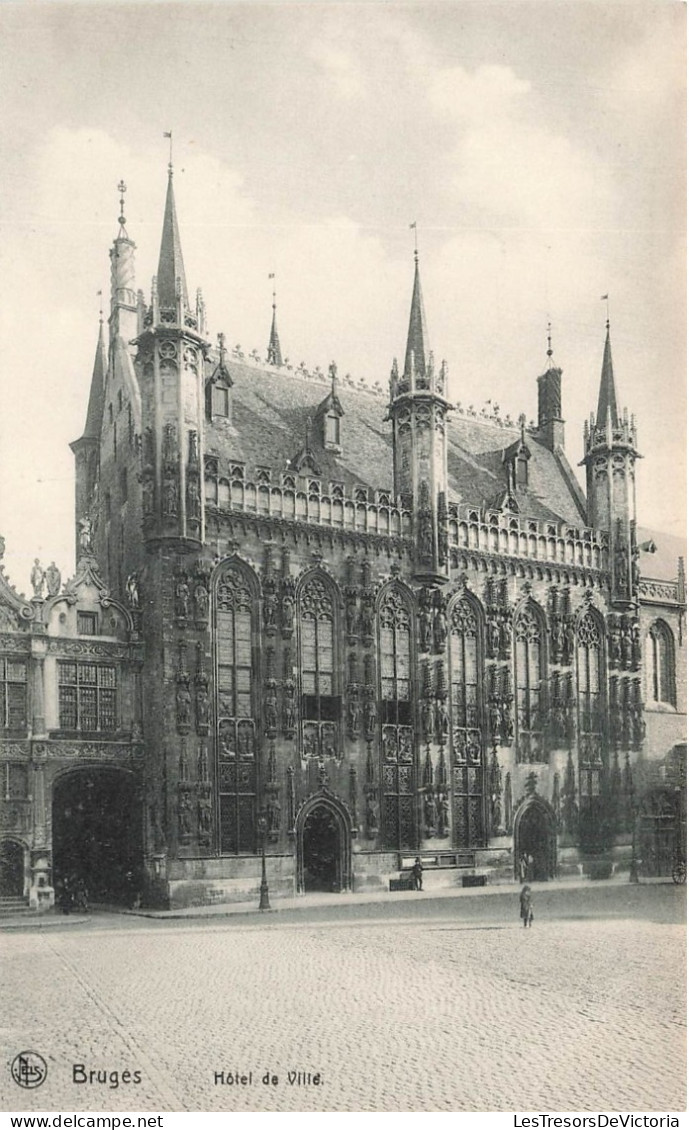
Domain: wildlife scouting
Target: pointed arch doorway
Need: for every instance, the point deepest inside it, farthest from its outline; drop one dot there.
(324, 850)
(535, 841)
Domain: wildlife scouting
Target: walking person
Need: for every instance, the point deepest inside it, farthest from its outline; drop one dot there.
(526, 905)
(417, 874)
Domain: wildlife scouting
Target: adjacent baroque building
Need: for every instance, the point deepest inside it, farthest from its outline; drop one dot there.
(341, 626)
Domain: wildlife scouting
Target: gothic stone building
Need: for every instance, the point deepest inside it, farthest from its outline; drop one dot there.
(363, 626)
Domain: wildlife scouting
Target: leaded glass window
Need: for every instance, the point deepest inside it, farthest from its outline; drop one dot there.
(13, 694)
(468, 805)
(236, 746)
(398, 761)
(662, 663)
(320, 700)
(530, 695)
(87, 696)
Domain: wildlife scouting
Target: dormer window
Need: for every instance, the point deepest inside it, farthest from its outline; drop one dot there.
(236, 471)
(522, 470)
(262, 475)
(332, 430)
(220, 400)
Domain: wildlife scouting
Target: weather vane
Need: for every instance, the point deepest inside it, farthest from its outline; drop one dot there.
(122, 188)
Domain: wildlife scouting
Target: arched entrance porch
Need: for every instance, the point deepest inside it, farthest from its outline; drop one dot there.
(12, 869)
(97, 833)
(535, 841)
(324, 830)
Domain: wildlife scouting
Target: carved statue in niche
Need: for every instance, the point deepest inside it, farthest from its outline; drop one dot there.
(389, 744)
(636, 570)
(405, 747)
(193, 500)
(429, 812)
(367, 615)
(245, 742)
(351, 616)
(495, 718)
(439, 624)
(428, 718)
(184, 815)
(147, 491)
(372, 817)
(170, 496)
(182, 597)
(183, 702)
(288, 710)
(353, 714)
(310, 742)
(85, 535)
(557, 636)
(200, 601)
(505, 627)
(271, 708)
(274, 813)
(569, 641)
(443, 718)
(626, 644)
(148, 455)
(493, 637)
(425, 534)
(370, 713)
(425, 621)
(132, 586)
(443, 815)
(203, 807)
(202, 708)
(287, 608)
(621, 569)
(636, 646)
(270, 605)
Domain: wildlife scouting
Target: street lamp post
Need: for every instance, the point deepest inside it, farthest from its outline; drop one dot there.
(264, 900)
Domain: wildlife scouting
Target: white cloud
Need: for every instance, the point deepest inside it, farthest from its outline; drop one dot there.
(341, 69)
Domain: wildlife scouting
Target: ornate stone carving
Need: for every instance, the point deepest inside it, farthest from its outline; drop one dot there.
(287, 608)
(289, 721)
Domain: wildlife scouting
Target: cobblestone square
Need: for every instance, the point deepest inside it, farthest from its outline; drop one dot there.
(437, 1011)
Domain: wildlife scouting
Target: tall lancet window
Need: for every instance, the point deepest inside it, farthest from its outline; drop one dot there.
(399, 775)
(530, 698)
(320, 701)
(466, 707)
(236, 744)
(591, 721)
(661, 664)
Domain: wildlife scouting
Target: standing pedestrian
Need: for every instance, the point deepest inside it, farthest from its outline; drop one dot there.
(526, 905)
(417, 874)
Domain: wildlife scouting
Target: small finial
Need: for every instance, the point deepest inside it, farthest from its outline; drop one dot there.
(550, 340)
(221, 349)
(272, 276)
(121, 188)
(168, 134)
(308, 432)
(99, 294)
(416, 242)
(332, 372)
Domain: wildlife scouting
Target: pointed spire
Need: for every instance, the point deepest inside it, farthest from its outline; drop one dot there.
(94, 413)
(607, 397)
(417, 337)
(171, 263)
(274, 350)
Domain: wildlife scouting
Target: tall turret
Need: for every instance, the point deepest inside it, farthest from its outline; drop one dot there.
(170, 359)
(418, 411)
(610, 454)
(124, 318)
(87, 448)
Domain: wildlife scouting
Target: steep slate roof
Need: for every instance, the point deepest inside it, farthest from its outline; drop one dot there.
(170, 262)
(660, 564)
(269, 414)
(94, 412)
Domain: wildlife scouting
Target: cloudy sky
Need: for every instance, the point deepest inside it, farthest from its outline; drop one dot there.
(540, 147)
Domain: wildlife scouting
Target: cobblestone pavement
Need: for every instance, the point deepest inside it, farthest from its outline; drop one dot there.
(395, 1013)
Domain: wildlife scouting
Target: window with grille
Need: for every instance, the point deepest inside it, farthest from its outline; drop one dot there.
(397, 747)
(13, 694)
(591, 710)
(529, 658)
(87, 623)
(87, 697)
(468, 768)
(662, 663)
(236, 747)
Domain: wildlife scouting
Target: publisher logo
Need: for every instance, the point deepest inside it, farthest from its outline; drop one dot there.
(29, 1070)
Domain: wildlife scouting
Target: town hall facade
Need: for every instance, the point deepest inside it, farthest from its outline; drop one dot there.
(340, 625)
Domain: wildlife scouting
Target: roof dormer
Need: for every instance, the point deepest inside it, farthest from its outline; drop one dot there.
(329, 414)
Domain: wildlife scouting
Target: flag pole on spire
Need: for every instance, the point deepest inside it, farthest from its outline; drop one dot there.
(168, 133)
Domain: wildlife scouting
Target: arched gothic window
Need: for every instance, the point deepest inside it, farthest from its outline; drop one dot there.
(236, 742)
(591, 722)
(466, 663)
(661, 664)
(394, 649)
(530, 699)
(320, 702)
